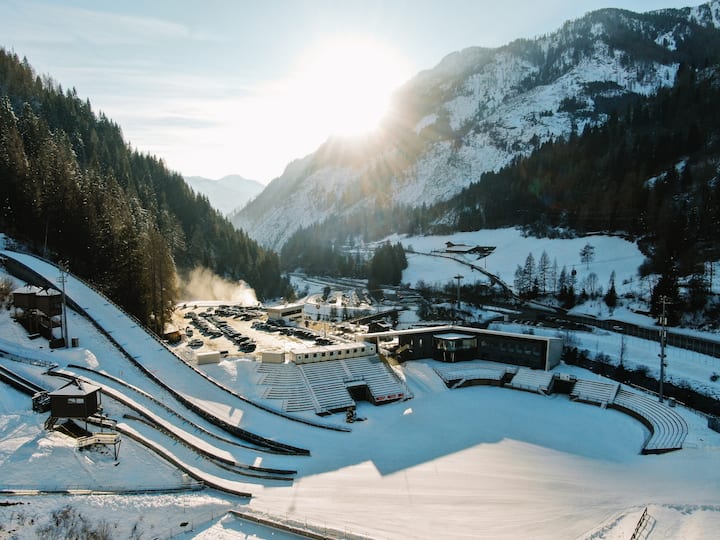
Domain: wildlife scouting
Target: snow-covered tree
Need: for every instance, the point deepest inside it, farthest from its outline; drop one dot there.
(587, 254)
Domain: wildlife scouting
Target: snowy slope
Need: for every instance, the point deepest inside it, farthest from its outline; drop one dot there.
(477, 462)
(478, 110)
(612, 254)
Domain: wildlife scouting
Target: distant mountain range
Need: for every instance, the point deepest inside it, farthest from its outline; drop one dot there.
(227, 194)
(480, 109)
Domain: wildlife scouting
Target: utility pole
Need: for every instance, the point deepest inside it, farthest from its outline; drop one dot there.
(63, 278)
(458, 278)
(663, 339)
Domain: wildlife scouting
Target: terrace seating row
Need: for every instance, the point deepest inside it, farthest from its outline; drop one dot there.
(382, 383)
(532, 380)
(277, 374)
(323, 386)
(668, 429)
(286, 383)
(326, 381)
(595, 392)
(456, 376)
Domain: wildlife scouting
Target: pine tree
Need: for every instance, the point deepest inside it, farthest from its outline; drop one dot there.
(587, 254)
(543, 271)
(611, 294)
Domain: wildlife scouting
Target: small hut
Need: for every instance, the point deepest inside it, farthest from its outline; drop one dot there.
(76, 399)
(25, 298)
(38, 310)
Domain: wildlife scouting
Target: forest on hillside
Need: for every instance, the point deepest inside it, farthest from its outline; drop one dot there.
(650, 172)
(73, 190)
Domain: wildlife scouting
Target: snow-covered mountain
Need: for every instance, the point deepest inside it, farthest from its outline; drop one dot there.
(479, 109)
(228, 193)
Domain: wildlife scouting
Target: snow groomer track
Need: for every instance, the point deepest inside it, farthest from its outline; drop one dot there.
(185, 435)
(184, 459)
(157, 363)
(217, 437)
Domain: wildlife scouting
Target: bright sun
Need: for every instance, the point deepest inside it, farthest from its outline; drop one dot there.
(346, 83)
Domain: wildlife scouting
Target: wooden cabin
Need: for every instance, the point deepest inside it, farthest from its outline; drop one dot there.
(76, 399)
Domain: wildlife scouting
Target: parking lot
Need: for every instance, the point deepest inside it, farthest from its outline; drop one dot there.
(239, 332)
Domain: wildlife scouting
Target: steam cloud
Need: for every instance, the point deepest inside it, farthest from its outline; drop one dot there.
(203, 284)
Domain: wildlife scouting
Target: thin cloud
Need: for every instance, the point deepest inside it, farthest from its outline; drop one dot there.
(41, 23)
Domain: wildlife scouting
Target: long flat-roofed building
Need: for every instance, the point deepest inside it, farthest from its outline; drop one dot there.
(288, 312)
(336, 351)
(457, 343)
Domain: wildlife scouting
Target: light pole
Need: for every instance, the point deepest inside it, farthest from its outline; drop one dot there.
(62, 280)
(458, 278)
(663, 338)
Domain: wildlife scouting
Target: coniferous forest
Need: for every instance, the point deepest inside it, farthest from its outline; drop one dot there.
(73, 190)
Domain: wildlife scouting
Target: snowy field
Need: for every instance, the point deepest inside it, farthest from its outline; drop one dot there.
(512, 248)
(476, 462)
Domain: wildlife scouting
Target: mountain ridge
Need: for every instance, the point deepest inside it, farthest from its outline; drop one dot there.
(226, 194)
(479, 109)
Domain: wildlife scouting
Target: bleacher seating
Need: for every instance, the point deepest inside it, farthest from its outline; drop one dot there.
(595, 392)
(382, 383)
(326, 381)
(286, 383)
(455, 376)
(668, 429)
(532, 380)
(323, 386)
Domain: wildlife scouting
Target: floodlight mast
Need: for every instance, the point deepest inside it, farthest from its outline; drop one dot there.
(63, 278)
(663, 340)
(457, 309)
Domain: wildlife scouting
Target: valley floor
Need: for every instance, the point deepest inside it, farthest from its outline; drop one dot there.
(478, 462)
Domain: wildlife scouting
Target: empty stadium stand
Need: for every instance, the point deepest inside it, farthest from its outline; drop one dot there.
(326, 387)
(459, 375)
(668, 429)
(595, 392)
(286, 383)
(326, 381)
(381, 381)
(532, 380)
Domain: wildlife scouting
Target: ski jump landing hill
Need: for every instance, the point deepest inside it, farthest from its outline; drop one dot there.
(189, 401)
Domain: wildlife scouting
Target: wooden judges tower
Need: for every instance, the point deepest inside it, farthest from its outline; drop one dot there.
(80, 400)
(39, 311)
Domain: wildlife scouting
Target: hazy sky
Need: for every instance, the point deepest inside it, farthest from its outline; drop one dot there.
(219, 87)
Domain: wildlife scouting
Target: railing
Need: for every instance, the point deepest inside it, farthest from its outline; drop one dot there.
(80, 489)
(98, 438)
(640, 525)
(304, 529)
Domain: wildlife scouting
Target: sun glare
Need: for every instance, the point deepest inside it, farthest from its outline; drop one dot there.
(346, 83)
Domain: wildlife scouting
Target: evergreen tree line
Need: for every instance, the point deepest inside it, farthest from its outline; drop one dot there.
(386, 265)
(544, 279)
(73, 190)
(336, 246)
(649, 172)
